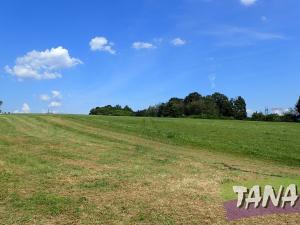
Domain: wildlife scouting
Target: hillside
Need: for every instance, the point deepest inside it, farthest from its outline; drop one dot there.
(69, 169)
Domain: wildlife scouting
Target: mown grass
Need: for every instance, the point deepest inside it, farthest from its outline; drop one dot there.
(278, 142)
(69, 169)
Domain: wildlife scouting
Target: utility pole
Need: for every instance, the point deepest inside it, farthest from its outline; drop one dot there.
(266, 111)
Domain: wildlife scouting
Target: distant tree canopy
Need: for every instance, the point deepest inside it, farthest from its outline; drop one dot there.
(193, 105)
(112, 111)
(1, 103)
(224, 105)
(196, 105)
(293, 115)
(173, 108)
(239, 108)
(287, 117)
(298, 106)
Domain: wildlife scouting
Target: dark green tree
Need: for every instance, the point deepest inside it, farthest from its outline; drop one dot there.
(173, 108)
(239, 108)
(201, 107)
(112, 111)
(258, 116)
(127, 108)
(118, 107)
(224, 105)
(210, 108)
(192, 97)
(298, 106)
(1, 103)
(194, 107)
(192, 104)
(152, 111)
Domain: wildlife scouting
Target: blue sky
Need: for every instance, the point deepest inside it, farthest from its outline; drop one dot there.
(70, 56)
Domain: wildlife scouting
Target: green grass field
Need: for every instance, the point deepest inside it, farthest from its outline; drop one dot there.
(70, 169)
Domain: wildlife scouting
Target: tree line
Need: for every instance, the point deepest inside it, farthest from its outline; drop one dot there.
(195, 105)
(293, 115)
(216, 105)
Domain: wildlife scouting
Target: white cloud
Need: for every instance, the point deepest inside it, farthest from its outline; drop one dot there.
(25, 108)
(178, 42)
(279, 111)
(142, 45)
(42, 65)
(240, 36)
(56, 94)
(45, 97)
(54, 98)
(250, 112)
(102, 44)
(54, 104)
(248, 2)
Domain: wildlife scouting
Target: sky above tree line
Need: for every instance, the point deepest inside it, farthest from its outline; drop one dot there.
(70, 56)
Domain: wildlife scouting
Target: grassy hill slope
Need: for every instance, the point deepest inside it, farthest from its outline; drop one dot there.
(277, 142)
(122, 170)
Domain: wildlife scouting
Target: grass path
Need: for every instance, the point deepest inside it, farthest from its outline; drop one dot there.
(94, 170)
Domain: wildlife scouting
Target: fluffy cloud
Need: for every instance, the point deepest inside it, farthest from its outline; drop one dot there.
(249, 112)
(178, 42)
(142, 45)
(54, 104)
(102, 44)
(279, 111)
(54, 98)
(25, 108)
(248, 2)
(56, 94)
(42, 65)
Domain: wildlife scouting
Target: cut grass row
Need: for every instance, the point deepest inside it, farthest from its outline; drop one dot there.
(277, 142)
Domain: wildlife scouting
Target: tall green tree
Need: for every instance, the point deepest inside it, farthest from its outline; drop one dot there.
(192, 97)
(192, 104)
(210, 108)
(1, 103)
(298, 106)
(173, 108)
(201, 106)
(224, 105)
(239, 108)
(258, 116)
